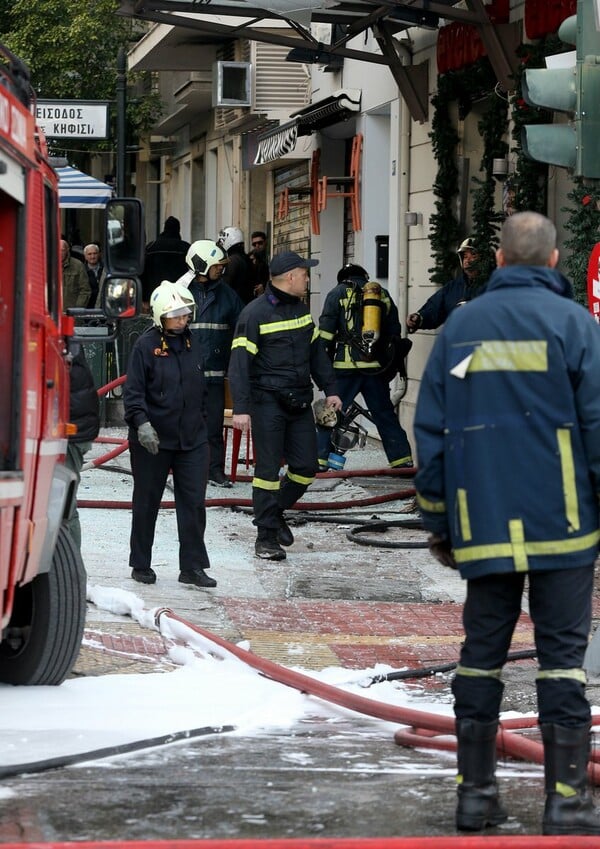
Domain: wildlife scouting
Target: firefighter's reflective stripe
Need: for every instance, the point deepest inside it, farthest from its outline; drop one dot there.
(567, 466)
(214, 374)
(575, 674)
(519, 549)
(472, 672)
(431, 506)
(244, 342)
(208, 325)
(401, 461)
(260, 483)
(284, 326)
(304, 481)
(498, 355)
(348, 362)
(463, 514)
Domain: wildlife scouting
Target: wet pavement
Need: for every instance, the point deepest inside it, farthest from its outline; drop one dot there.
(333, 602)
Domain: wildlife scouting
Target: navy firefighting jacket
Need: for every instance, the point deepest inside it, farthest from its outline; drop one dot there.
(277, 348)
(508, 428)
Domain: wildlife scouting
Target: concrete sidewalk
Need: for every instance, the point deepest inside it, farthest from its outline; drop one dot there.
(333, 602)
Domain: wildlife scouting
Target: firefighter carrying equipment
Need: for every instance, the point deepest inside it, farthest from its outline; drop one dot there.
(168, 301)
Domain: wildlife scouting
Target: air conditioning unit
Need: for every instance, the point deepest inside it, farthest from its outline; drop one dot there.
(232, 84)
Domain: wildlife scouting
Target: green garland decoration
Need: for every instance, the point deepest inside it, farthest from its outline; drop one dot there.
(464, 86)
(492, 127)
(444, 231)
(584, 224)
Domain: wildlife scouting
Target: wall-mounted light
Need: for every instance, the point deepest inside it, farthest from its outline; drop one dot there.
(411, 219)
(500, 168)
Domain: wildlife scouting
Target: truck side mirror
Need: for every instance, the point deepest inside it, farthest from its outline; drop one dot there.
(124, 241)
(121, 297)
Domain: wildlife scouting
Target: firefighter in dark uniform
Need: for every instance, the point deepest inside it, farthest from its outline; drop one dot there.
(218, 308)
(165, 408)
(462, 288)
(358, 322)
(508, 434)
(276, 351)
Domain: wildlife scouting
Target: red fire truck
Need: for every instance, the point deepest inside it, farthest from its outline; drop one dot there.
(42, 578)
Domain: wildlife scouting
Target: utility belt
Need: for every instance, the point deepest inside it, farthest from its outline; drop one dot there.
(293, 400)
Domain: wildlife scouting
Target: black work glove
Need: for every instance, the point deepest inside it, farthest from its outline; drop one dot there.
(441, 549)
(148, 438)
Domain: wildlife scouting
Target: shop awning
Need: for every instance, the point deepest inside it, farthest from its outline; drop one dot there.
(77, 190)
(280, 140)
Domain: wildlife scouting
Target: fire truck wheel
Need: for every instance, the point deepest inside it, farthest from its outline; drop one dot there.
(43, 637)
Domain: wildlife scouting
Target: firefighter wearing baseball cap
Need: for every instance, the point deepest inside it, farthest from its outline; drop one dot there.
(464, 287)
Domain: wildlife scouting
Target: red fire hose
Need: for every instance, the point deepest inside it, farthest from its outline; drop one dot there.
(508, 743)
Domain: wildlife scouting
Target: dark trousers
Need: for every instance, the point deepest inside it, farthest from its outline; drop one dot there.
(560, 605)
(280, 436)
(376, 392)
(150, 472)
(215, 406)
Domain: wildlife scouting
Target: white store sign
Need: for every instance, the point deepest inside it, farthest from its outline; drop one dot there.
(80, 119)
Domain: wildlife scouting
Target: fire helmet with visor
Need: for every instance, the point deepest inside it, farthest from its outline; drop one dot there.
(203, 254)
(230, 236)
(168, 301)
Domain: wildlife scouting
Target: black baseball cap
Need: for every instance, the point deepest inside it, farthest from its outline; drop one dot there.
(287, 261)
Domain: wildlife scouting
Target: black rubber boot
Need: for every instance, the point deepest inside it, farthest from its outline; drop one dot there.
(478, 802)
(569, 808)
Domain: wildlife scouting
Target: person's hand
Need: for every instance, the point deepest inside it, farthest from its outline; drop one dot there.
(148, 438)
(441, 548)
(334, 401)
(241, 422)
(414, 321)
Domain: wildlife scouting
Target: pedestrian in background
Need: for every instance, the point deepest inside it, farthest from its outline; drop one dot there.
(240, 273)
(95, 270)
(164, 258)
(260, 260)
(275, 355)
(462, 288)
(76, 284)
(358, 366)
(165, 408)
(508, 435)
(217, 310)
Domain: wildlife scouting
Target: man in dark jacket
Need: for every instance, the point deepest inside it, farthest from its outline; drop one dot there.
(240, 273)
(275, 355)
(165, 258)
(508, 436)
(84, 413)
(461, 289)
(217, 310)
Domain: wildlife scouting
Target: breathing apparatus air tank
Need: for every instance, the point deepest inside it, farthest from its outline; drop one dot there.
(371, 316)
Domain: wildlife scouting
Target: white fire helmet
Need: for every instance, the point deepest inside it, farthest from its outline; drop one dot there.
(230, 236)
(203, 254)
(169, 301)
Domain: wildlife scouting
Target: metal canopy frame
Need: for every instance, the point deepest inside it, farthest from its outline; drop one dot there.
(216, 20)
